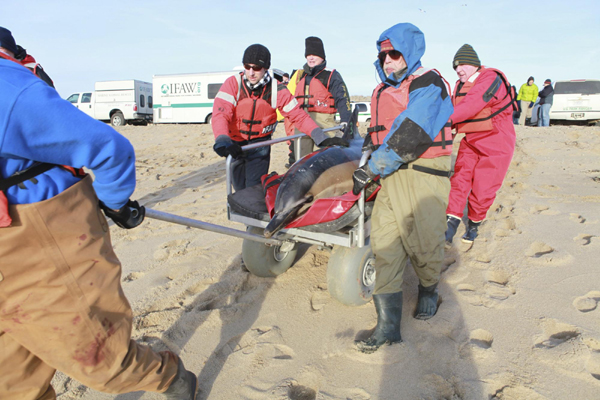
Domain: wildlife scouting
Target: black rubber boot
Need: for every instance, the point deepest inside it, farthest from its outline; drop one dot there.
(453, 224)
(471, 233)
(389, 315)
(183, 386)
(428, 302)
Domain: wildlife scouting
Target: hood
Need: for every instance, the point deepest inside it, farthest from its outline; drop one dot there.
(408, 40)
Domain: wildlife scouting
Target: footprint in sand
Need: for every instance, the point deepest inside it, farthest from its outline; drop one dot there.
(592, 364)
(585, 239)
(543, 210)
(577, 218)
(555, 333)
(587, 303)
(481, 338)
(319, 299)
(171, 248)
(133, 276)
(538, 249)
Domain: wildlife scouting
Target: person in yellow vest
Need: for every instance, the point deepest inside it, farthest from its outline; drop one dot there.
(319, 91)
(528, 94)
(412, 143)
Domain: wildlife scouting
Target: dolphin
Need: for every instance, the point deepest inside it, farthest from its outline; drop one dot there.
(324, 173)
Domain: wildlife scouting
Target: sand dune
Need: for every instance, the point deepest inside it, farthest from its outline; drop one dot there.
(520, 317)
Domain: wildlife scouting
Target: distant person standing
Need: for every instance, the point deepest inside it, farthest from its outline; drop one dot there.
(546, 95)
(320, 91)
(483, 106)
(528, 94)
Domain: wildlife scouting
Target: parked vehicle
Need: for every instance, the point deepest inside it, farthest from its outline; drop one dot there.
(576, 100)
(364, 111)
(186, 98)
(120, 102)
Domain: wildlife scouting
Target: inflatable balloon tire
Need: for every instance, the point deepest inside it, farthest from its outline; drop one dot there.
(351, 274)
(266, 261)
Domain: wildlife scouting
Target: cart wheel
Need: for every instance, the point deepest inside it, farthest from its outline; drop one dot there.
(266, 261)
(351, 274)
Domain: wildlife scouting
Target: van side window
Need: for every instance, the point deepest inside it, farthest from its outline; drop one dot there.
(213, 89)
(73, 98)
(86, 98)
(150, 101)
(361, 107)
(142, 101)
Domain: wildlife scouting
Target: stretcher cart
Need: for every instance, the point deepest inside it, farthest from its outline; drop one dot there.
(351, 266)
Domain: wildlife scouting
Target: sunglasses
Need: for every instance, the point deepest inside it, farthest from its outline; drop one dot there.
(394, 55)
(255, 68)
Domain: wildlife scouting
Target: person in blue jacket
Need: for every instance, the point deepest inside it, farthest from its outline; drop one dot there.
(61, 303)
(411, 142)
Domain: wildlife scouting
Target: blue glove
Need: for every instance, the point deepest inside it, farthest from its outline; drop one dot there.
(531, 105)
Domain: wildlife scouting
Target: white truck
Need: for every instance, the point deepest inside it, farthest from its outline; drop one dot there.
(120, 102)
(186, 98)
(576, 100)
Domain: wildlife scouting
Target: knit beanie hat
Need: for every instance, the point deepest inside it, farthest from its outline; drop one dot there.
(547, 81)
(466, 55)
(314, 47)
(7, 41)
(257, 54)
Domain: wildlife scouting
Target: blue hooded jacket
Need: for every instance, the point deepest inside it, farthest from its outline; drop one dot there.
(429, 105)
(37, 125)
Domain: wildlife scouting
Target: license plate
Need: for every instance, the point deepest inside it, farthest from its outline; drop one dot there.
(577, 115)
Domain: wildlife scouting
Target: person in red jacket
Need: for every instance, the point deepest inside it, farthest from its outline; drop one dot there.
(244, 112)
(483, 105)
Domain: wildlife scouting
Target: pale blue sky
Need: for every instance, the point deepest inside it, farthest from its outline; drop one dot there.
(80, 42)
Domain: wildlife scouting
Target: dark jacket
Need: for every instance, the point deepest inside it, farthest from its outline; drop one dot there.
(546, 95)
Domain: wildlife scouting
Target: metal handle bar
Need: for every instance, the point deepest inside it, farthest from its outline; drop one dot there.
(194, 223)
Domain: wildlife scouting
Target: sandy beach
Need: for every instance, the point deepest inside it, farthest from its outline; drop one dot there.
(519, 318)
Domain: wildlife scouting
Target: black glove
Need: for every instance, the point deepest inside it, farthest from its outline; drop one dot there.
(531, 105)
(224, 147)
(362, 177)
(322, 140)
(127, 217)
(334, 141)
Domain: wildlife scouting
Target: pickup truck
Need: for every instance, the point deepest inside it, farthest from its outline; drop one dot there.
(117, 102)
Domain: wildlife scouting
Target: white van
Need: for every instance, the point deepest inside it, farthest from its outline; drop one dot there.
(186, 98)
(576, 100)
(120, 102)
(364, 111)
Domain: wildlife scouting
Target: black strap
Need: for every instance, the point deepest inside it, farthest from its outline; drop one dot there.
(25, 175)
(443, 143)
(376, 128)
(488, 117)
(431, 171)
(249, 121)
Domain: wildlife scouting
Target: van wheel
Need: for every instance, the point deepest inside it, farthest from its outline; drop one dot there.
(117, 119)
(368, 121)
(208, 119)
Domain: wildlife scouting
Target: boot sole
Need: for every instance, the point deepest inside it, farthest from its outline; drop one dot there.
(367, 349)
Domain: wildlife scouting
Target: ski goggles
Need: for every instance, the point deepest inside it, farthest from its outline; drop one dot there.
(255, 68)
(394, 55)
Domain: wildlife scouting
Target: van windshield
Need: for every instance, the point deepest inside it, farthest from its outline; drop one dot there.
(583, 87)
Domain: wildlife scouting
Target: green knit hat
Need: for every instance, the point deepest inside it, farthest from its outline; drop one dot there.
(466, 55)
